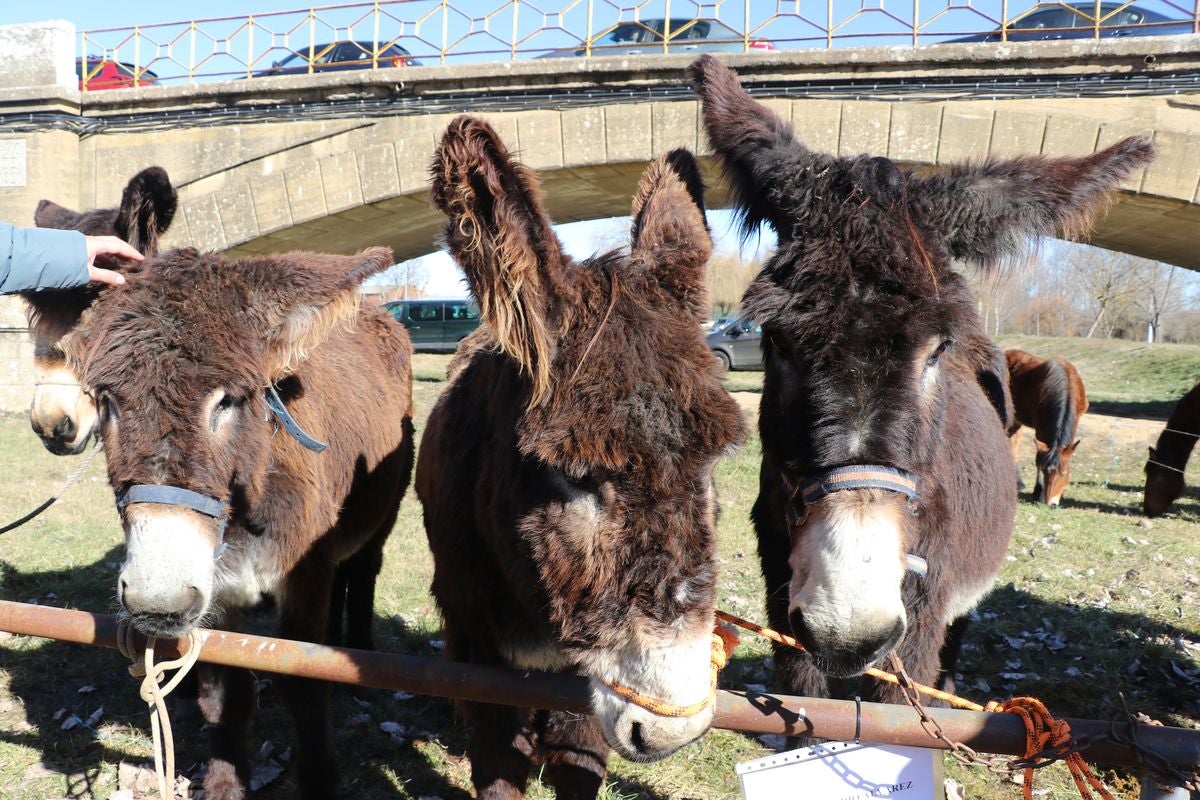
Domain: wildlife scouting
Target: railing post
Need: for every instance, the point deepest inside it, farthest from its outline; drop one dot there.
(667, 29)
(137, 55)
(512, 53)
(83, 61)
(1004, 20)
(828, 25)
(377, 43)
(1096, 20)
(249, 44)
(916, 22)
(312, 38)
(746, 26)
(191, 68)
(587, 43)
(445, 29)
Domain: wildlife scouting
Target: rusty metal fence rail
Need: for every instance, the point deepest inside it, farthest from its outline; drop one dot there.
(389, 33)
(749, 712)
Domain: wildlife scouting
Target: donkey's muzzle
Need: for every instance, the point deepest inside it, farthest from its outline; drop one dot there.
(844, 657)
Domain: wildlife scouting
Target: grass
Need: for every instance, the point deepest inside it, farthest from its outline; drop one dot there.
(1093, 600)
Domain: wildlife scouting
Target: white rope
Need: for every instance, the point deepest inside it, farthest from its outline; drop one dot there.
(1165, 466)
(155, 692)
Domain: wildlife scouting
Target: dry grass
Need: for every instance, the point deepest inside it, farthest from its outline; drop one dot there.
(1091, 602)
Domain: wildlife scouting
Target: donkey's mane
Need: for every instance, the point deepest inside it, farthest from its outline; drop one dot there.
(1056, 400)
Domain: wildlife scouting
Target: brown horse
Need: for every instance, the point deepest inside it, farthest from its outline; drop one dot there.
(878, 443)
(1169, 457)
(62, 414)
(566, 470)
(196, 364)
(1048, 396)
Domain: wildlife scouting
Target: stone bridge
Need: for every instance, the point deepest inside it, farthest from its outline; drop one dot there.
(339, 161)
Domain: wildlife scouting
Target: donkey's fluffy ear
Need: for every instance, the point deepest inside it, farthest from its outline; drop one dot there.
(669, 237)
(50, 214)
(147, 208)
(304, 297)
(758, 151)
(501, 236)
(985, 213)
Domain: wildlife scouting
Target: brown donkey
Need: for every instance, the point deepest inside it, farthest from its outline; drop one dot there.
(62, 414)
(566, 471)
(1169, 456)
(878, 443)
(1048, 396)
(196, 364)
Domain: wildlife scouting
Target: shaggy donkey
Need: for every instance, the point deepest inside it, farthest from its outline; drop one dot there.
(62, 414)
(878, 443)
(566, 470)
(219, 506)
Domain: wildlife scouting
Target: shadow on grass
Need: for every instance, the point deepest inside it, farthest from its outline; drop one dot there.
(1148, 409)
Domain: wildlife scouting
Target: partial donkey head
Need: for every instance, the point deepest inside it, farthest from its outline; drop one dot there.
(62, 414)
(618, 417)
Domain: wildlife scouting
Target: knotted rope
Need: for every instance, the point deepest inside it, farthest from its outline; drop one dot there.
(154, 691)
(724, 640)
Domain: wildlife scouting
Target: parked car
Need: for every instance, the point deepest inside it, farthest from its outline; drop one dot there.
(1074, 21)
(435, 325)
(686, 36)
(335, 56)
(101, 73)
(738, 345)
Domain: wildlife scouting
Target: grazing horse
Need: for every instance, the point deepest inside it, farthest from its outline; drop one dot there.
(878, 442)
(197, 363)
(1048, 396)
(61, 413)
(566, 470)
(1169, 457)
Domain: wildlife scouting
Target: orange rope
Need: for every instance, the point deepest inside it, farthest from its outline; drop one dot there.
(724, 640)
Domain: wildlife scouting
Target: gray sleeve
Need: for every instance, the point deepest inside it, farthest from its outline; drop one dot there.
(41, 258)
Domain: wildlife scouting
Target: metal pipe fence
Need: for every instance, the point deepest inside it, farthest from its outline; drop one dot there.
(394, 33)
(749, 712)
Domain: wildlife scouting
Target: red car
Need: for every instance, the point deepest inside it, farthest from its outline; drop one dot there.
(104, 74)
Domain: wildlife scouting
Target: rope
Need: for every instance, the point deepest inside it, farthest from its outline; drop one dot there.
(1046, 739)
(154, 691)
(1165, 466)
(724, 640)
(71, 480)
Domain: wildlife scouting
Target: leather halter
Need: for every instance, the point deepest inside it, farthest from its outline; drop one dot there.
(202, 503)
(820, 485)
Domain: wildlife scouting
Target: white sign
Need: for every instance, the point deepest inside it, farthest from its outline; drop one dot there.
(12, 163)
(844, 771)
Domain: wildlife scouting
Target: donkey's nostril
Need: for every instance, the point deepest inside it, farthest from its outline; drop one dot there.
(65, 429)
(636, 739)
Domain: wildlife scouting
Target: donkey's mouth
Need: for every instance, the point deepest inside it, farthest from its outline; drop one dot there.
(165, 626)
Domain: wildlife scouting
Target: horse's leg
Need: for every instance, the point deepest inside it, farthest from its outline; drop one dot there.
(226, 699)
(304, 616)
(1014, 439)
(576, 755)
(500, 749)
(951, 647)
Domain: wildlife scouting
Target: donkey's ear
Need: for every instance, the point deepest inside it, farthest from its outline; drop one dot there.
(669, 237)
(147, 207)
(501, 236)
(985, 213)
(757, 149)
(303, 297)
(50, 214)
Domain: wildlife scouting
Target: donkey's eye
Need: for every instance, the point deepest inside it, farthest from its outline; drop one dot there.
(938, 351)
(583, 483)
(223, 406)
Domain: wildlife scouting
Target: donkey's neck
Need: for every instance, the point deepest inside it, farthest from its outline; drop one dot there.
(1174, 448)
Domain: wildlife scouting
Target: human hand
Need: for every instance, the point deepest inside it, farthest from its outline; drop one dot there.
(106, 250)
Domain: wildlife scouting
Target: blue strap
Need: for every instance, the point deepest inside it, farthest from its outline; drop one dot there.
(275, 404)
(177, 496)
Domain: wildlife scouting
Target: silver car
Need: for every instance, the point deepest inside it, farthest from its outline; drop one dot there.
(738, 345)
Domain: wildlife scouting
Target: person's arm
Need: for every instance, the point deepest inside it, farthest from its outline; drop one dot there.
(48, 258)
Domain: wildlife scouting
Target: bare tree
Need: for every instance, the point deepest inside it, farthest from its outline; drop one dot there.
(728, 276)
(1107, 281)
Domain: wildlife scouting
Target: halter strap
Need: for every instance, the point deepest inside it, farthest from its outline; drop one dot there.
(276, 406)
(178, 496)
(859, 476)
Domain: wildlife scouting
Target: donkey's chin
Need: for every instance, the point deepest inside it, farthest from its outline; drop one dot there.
(164, 626)
(64, 448)
(639, 734)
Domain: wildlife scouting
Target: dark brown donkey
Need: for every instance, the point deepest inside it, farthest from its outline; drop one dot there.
(566, 471)
(62, 414)
(1169, 457)
(220, 505)
(878, 443)
(1048, 396)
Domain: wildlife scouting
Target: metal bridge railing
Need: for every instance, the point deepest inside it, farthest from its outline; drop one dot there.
(389, 33)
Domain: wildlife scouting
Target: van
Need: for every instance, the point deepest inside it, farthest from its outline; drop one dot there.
(435, 325)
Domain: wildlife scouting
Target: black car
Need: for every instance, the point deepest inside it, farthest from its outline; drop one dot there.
(335, 56)
(1074, 21)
